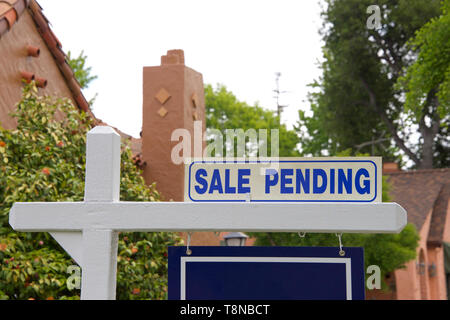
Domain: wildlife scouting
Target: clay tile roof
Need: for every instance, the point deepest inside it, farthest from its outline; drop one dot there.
(439, 216)
(10, 11)
(421, 192)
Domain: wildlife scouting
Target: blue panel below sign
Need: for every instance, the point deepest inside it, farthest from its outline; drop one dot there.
(266, 273)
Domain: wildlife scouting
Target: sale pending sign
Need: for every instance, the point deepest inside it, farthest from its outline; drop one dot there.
(284, 180)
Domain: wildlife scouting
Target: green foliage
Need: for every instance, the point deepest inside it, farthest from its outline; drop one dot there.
(224, 111)
(44, 160)
(356, 103)
(431, 70)
(31, 273)
(82, 72)
(427, 81)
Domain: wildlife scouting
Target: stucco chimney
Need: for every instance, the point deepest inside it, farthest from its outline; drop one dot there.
(173, 98)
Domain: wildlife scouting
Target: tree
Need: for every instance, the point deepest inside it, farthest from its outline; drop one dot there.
(82, 72)
(356, 103)
(224, 111)
(44, 160)
(427, 81)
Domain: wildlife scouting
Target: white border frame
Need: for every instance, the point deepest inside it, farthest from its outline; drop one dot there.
(346, 261)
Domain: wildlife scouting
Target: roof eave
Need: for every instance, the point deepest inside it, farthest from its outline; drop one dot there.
(7, 21)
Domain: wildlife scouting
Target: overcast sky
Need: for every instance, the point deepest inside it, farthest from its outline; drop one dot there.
(240, 44)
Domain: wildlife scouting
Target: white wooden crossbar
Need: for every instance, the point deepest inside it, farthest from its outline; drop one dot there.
(173, 216)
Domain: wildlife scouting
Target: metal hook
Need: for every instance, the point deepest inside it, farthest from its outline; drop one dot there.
(341, 251)
(189, 251)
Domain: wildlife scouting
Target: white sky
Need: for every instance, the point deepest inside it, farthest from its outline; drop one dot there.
(240, 44)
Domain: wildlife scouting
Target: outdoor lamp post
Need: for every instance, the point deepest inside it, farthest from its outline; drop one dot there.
(235, 239)
(432, 269)
(421, 268)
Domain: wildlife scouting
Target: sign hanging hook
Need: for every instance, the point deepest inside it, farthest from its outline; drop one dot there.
(341, 251)
(189, 251)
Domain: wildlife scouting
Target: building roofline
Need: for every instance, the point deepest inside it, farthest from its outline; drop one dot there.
(11, 16)
(416, 171)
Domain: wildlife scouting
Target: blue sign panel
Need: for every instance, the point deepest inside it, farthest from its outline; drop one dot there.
(266, 273)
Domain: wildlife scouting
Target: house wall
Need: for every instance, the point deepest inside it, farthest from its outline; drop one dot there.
(446, 233)
(435, 256)
(408, 281)
(438, 290)
(441, 279)
(14, 59)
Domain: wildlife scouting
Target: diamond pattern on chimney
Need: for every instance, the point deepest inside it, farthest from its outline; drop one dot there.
(163, 112)
(162, 96)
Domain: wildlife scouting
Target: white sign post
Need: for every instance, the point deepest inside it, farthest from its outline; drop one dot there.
(88, 230)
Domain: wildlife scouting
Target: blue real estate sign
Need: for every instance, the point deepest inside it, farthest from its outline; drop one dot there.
(266, 273)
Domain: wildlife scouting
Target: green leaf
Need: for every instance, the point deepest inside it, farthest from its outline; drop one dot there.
(43, 263)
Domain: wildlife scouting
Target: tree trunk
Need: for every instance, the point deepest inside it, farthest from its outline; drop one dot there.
(427, 151)
(389, 124)
(428, 136)
(429, 132)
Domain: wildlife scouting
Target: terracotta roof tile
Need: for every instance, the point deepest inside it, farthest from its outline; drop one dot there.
(439, 216)
(55, 47)
(421, 192)
(10, 11)
(11, 17)
(6, 5)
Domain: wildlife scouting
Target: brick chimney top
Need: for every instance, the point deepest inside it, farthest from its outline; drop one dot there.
(390, 167)
(173, 57)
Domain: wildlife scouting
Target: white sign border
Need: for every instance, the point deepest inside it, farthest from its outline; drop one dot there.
(376, 161)
(346, 261)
